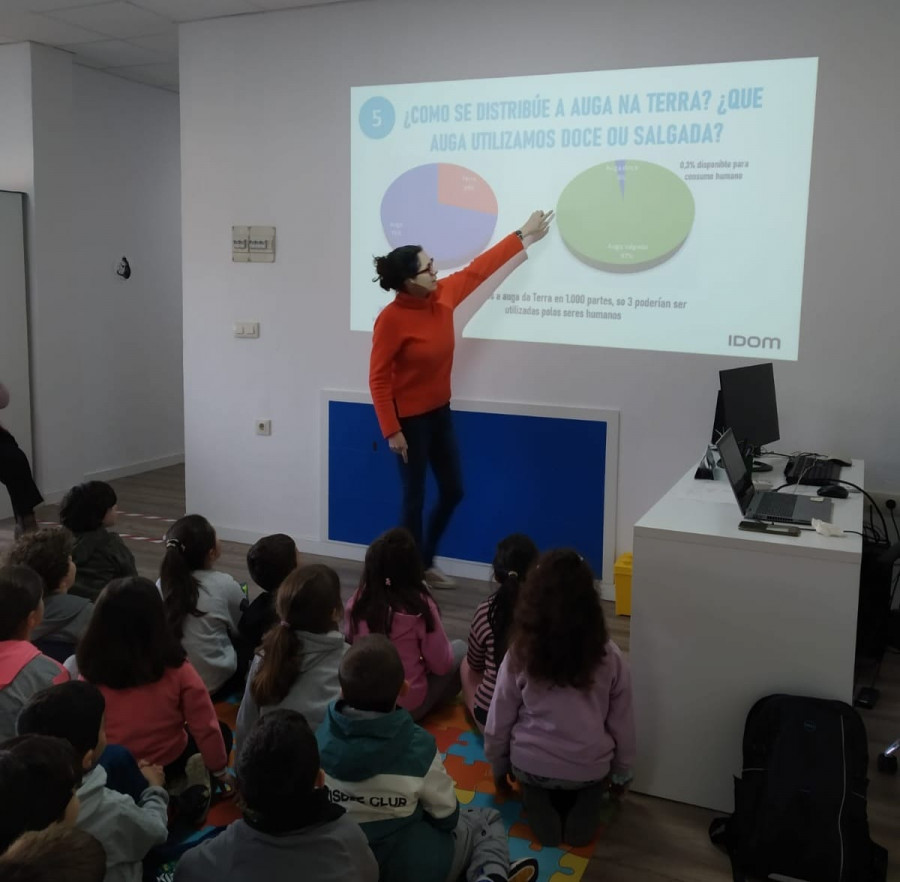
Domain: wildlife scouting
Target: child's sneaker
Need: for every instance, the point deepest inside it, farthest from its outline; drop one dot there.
(523, 870)
(438, 579)
(192, 803)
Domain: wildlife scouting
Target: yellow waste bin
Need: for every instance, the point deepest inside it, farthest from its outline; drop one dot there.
(622, 581)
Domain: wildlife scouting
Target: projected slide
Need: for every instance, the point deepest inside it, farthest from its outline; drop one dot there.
(449, 210)
(625, 216)
(681, 198)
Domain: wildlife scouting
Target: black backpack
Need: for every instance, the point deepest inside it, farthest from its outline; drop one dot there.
(800, 805)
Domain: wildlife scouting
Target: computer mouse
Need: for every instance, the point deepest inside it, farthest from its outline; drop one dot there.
(834, 491)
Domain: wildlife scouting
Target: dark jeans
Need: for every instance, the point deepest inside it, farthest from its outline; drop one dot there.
(431, 441)
(122, 772)
(15, 473)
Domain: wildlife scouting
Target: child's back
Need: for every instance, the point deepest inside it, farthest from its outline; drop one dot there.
(269, 561)
(23, 670)
(394, 600)
(388, 773)
(126, 827)
(49, 553)
(151, 691)
(99, 554)
(422, 651)
(203, 605)
(207, 638)
(290, 828)
(561, 716)
(563, 732)
(297, 667)
(384, 769)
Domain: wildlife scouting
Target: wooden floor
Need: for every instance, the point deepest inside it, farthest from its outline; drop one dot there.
(653, 839)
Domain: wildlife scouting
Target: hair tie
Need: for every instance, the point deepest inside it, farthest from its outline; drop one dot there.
(285, 624)
(387, 583)
(512, 574)
(174, 543)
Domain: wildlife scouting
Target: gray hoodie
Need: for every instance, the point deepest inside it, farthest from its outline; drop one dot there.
(332, 851)
(65, 618)
(312, 691)
(126, 830)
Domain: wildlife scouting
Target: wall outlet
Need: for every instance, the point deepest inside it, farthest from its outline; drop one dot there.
(246, 330)
(263, 427)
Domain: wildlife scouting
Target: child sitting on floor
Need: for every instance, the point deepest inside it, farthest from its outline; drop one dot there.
(393, 599)
(55, 854)
(297, 667)
(388, 773)
(156, 704)
(38, 779)
(290, 829)
(490, 627)
(23, 670)
(49, 553)
(203, 605)
(126, 829)
(100, 555)
(561, 717)
(269, 561)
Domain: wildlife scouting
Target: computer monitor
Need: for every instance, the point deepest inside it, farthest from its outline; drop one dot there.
(747, 405)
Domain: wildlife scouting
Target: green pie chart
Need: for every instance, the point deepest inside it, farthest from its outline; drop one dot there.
(625, 216)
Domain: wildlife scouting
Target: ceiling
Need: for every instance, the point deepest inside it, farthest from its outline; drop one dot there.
(134, 39)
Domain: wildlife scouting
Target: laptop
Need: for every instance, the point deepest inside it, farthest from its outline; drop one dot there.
(776, 508)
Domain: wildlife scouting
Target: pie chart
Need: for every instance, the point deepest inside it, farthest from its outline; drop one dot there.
(625, 216)
(449, 210)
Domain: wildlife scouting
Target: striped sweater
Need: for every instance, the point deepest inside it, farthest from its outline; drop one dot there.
(387, 773)
(480, 655)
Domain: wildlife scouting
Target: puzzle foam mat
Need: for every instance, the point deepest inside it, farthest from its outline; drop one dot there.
(463, 751)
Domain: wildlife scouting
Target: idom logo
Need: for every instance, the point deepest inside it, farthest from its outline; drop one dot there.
(739, 341)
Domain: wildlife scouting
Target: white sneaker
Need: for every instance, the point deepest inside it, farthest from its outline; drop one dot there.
(438, 579)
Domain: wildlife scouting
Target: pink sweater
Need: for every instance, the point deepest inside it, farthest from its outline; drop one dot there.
(149, 720)
(422, 652)
(559, 732)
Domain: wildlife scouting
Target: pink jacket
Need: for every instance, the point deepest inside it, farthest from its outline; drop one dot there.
(23, 671)
(149, 720)
(422, 652)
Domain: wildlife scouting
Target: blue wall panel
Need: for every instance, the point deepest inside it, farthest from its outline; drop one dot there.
(538, 475)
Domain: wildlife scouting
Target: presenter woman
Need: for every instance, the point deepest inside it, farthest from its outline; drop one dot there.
(409, 374)
(15, 473)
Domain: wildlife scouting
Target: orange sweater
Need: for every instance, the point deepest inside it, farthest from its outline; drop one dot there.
(413, 341)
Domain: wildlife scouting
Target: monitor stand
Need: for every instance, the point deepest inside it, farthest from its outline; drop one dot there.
(759, 466)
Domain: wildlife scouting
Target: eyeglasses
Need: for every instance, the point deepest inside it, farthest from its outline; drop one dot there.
(429, 268)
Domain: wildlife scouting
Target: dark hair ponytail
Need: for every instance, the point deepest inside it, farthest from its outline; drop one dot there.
(306, 601)
(396, 268)
(188, 544)
(514, 557)
(393, 580)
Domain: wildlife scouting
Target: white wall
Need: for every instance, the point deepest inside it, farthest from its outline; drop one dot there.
(126, 186)
(99, 161)
(16, 174)
(14, 370)
(265, 126)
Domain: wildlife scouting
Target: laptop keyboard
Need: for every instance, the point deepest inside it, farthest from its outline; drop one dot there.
(776, 505)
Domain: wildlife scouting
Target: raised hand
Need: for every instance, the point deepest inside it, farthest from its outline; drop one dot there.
(537, 225)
